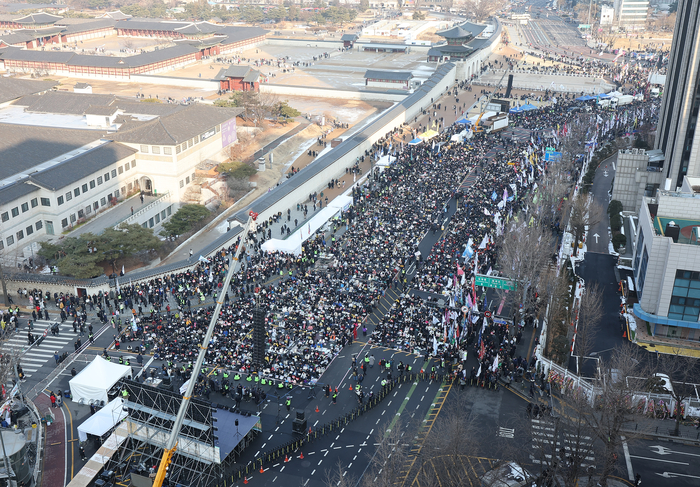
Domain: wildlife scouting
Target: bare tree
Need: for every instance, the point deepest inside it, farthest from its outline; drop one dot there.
(525, 252)
(338, 477)
(682, 372)
(590, 312)
(584, 213)
(481, 10)
(390, 457)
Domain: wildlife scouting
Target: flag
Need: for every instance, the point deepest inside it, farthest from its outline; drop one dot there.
(123, 270)
(460, 272)
(495, 364)
(482, 352)
(203, 259)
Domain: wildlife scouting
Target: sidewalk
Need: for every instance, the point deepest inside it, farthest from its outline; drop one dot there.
(671, 346)
(112, 216)
(54, 461)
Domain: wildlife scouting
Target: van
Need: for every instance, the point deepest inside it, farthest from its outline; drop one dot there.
(508, 475)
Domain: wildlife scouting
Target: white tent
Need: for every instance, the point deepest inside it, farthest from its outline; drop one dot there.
(103, 420)
(93, 382)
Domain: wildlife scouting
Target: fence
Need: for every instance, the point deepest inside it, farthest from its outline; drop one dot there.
(291, 447)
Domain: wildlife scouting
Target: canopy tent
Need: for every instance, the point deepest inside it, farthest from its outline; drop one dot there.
(293, 243)
(93, 382)
(528, 106)
(464, 121)
(415, 141)
(586, 98)
(342, 202)
(103, 420)
(429, 134)
(515, 110)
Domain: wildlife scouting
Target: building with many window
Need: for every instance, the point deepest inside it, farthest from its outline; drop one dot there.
(666, 263)
(631, 14)
(69, 156)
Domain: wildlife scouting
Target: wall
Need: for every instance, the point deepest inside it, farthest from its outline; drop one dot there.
(277, 41)
(632, 177)
(203, 84)
(290, 90)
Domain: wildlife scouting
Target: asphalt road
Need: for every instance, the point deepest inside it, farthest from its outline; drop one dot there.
(600, 193)
(663, 464)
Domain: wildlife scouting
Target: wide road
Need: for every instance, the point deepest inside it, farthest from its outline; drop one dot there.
(664, 464)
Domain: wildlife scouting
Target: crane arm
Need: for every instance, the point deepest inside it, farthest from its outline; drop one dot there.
(171, 445)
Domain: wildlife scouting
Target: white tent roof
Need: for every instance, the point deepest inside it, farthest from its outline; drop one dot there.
(103, 420)
(93, 382)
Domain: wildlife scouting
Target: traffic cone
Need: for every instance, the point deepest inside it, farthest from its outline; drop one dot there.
(624, 334)
(262, 470)
(350, 388)
(309, 429)
(317, 408)
(245, 480)
(286, 459)
(301, 455)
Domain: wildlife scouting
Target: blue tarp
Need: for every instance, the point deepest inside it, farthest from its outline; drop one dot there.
(586, 98)
(515, 110)
(527, 107)
(415, 142)
(464, 121)
(605, 96)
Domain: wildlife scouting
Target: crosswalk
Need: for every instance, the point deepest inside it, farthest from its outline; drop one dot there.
(547, 442)
(31, 359)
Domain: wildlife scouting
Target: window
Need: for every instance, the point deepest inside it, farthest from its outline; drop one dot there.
(35, 202)
(116, 193)
(150, 222)
(162, 214)
(129, 187)
(20, 235)
(64, 223)
(182, 183)
(15, 212)
(85, 188)
(2, 244)
(177, 149)
(10, 240)
(5, 216)
(133, 163)
(685, 298)
(127, 166)
(124, 190)
(99, 180)
(25, 207)
(103, 201)
(189, 143)
(39, 225)
(73, 218)
(170, 210)
(29, 230)
(144, 149)
(114, 173)
(69, 196)
(59, 200)
(121, 170)
(193, 175)
(88, 209)
(156, 149)
(46, 202)
(168, 151)
(92, 184)
(96, 206)
(187, 180)
(642, 272)
(76, 192)
(106, 176)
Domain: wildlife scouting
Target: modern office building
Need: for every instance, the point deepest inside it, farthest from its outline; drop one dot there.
(607, 15)
(666, 263)
(631, 14)
(675, 155)
(676, 135)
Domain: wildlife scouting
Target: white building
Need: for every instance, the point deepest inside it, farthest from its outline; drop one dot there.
(631, 14)
(69, 156)
(667, 263)
(607, 15)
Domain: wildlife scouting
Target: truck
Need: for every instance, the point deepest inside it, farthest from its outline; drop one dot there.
(495, 123)
(621, 100)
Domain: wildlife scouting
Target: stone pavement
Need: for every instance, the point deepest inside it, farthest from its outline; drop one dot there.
(113, 215)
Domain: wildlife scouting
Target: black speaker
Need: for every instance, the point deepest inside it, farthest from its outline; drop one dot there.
(258, 336)
(300, 415)
(299, 426)
(510, 85)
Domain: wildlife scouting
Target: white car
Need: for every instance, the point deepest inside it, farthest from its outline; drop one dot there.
(508, 475)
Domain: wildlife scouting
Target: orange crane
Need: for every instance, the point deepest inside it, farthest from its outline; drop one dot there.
(171, 445)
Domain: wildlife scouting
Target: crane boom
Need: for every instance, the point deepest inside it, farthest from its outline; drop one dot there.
(171, 445)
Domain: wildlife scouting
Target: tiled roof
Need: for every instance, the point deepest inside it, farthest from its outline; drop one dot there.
(389, 75)
(12, 88)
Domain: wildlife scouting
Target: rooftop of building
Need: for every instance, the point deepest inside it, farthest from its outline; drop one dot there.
(388, 75)
(14, 88)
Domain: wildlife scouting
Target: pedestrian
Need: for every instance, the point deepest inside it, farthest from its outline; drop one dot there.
(335, 397)
(83, 457)
(288, 403)
(56, 357)
(52, 397)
